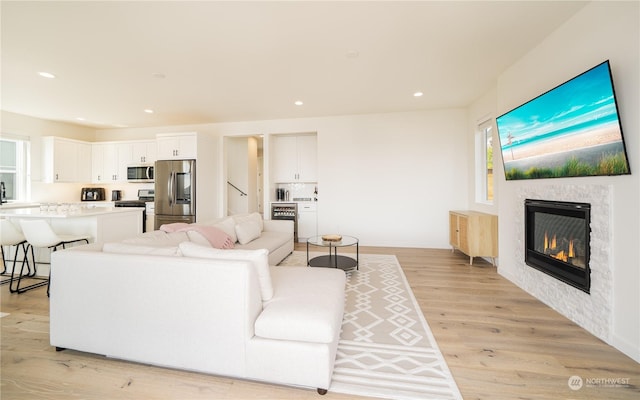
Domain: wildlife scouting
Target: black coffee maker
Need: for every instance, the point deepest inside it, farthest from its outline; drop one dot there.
(280, 194)
(92, 194)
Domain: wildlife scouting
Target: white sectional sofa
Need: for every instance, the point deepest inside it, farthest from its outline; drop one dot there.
(193, 307)
(246, 231)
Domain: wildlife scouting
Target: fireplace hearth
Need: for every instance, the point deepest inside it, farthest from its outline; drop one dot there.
(557, 240)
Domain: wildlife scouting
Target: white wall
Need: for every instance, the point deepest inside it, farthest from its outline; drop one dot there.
(391, 179)
(600, 31)
(242, 170)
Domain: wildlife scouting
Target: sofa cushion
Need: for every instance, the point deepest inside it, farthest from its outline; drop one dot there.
(159, 238)
(174, 227)
(259, 258)
(247, 231)
(307, 305)
(267, 240)
(209, 236)
(128, 248)
(240, 218)
(197, 238)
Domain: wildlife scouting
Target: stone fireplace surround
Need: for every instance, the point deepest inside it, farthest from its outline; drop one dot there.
(592, 311)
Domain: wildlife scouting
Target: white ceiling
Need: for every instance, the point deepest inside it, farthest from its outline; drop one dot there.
(237, 61)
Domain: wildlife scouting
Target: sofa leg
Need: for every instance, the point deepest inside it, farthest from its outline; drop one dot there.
(60, 348)
(322, 392)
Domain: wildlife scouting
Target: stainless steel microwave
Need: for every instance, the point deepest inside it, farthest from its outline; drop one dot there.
(140, 173)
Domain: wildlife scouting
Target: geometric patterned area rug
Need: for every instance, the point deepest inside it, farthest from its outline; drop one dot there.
(386, 347)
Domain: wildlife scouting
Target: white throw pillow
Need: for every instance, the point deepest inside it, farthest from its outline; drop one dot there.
(228, 226)
(241, 218)
(259, 258)
(247, 231)
(127, 248)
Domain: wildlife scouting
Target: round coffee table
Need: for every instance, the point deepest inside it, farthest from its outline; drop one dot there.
(333, 260)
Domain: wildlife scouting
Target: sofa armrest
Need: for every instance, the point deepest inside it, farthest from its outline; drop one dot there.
(279, 225)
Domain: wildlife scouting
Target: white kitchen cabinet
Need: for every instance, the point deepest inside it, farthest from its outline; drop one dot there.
(144, 152)
(294, 158)
(97, 163)
(307, 158)
(65, 160)
(84, 162)
(177, 146)
(110, 162)
(307, 221)
(284, 158)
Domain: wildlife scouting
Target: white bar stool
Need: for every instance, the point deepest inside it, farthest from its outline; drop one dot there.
(39, 234)
(10, 235)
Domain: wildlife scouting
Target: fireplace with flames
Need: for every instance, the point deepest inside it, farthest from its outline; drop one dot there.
(557, 238)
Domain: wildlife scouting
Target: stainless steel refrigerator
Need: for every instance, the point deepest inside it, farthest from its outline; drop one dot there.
(175, 192)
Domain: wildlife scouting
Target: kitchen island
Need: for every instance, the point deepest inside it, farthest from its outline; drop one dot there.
(102, 224)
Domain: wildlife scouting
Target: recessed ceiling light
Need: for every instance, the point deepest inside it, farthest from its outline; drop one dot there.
(148, 111)
(418, 94)
(298, 103)
(46, 75)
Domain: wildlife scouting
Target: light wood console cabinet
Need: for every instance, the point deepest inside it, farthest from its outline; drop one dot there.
(474, 233)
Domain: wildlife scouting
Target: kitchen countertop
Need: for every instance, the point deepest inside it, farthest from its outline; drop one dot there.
(35, 212)
(294, 201)
(12, 205)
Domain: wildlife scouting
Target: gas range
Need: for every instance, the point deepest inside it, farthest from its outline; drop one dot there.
(144, 196)
(145, 200)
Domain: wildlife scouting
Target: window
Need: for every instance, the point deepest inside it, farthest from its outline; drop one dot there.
(14, 168)
(484, 164)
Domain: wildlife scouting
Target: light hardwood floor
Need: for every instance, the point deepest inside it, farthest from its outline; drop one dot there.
(499, 342)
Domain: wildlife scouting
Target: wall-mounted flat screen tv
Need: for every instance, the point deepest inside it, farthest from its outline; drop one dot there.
(571, 130)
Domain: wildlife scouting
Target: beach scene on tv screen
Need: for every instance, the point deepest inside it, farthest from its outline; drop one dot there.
(572, 130)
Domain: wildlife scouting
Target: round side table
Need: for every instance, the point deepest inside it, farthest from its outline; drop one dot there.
(333, 260)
